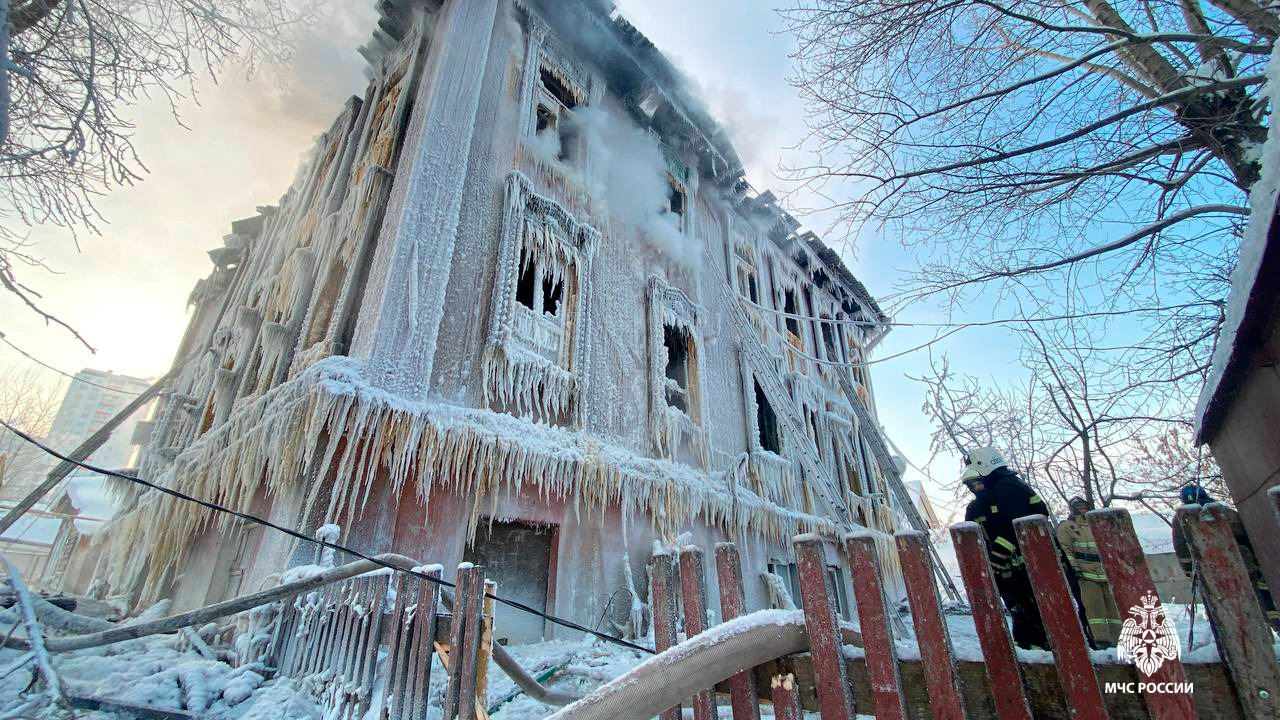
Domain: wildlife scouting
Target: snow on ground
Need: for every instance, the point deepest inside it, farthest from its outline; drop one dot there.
(157, 671)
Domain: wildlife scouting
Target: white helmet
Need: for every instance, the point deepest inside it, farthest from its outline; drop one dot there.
(984, 460)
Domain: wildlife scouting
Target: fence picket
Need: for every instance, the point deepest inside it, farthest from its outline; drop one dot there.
(693, 589)
(835, 702)
(1053, 596)
(1130, 578)
(662, 600)
(1243, 634)
(873, 619)
(786, 698)
(988, 618)
(942, 680)
(743, 695)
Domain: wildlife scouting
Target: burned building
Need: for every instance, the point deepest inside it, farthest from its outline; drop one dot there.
(520, 308)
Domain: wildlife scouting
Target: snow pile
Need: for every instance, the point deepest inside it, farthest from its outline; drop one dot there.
(154, 672)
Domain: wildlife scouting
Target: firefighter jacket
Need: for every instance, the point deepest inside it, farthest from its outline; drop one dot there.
(1004, 498)
(1076, 540)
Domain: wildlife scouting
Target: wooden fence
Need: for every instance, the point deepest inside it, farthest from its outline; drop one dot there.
(934, 683)
(335, 635)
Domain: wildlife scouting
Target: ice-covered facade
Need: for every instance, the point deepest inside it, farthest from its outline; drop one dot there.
(521, 308)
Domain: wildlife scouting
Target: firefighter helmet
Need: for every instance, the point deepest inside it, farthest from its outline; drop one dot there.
(984, 460)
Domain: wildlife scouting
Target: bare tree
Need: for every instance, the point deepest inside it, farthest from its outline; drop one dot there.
(1069, 155)
(27, 401)
(69, 71)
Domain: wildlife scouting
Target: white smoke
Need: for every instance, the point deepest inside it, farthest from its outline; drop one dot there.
(627, 171)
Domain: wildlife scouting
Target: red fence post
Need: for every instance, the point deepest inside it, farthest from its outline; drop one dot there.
(826, 646)
(942, 680)
(1243, 634)
(693, 588)
(877, 636)
(988, 618)
(1053, 596)
(662, 600)
(743, 696)
(786, 698)
(1130, 581)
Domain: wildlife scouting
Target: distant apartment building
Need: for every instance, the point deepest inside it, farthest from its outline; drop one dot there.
(93, 399)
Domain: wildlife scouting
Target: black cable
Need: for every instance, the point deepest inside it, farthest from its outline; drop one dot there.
(323, 543)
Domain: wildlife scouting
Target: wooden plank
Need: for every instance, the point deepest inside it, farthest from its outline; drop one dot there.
(372, 635)
(825, 644)
(873, 620)
(426, 618)
(693, 589)
(1130, 581)
(988, 619)
(393, 685)
(1243, 634)
(932, 634)
(786, 698)
(662, 600)
(131, 710)
(744, 700)
(464, 644)
(486, 643)
(1062, 623)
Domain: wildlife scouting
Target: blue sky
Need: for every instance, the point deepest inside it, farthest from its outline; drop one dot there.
(127, 288)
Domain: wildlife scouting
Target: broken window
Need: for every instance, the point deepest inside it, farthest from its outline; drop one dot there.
(525, 287)
(675, 200)
(677, 344)
(551, 290)
(793, 323)
(767, 423)
(829, 339)
(547, 119)
(558, 89)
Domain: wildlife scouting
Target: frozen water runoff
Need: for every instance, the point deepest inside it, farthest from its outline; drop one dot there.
(161, 672)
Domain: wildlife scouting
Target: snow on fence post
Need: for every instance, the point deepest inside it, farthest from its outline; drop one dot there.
(693, 589)
(786, 698)
(280, 638)
(743, 696)
(464, 644)
(1243, 634)
(873, 618)
(988, 618)
(1053, 596)
(941, 678)
(326, 606)
(1130, 581)
(835, 702)
(662, 599)
(394, 675)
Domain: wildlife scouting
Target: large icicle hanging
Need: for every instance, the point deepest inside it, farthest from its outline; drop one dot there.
(373, 436)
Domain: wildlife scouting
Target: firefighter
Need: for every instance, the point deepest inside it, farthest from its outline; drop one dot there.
(1000, 497)
(1076, 539)
(1193, 494)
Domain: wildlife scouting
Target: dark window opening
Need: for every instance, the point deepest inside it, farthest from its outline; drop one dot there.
(813, 428)
(551, 295)
(558, 89)
(767, 423)
(675, 200)
(752, 291)
(525, 286)
(568, 141)
(829, 341)
(677, 344)
(546, 118)
(789, 306)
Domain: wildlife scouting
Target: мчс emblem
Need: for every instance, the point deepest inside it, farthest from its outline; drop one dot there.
(1149, 637)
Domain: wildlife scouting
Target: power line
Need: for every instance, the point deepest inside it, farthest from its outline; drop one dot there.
(47, 366)
(323, 543)
(975, 323)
